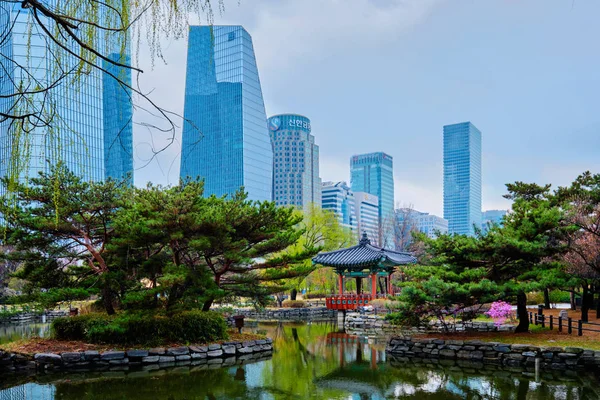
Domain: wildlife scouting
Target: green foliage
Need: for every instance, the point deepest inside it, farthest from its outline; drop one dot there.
(142, 328)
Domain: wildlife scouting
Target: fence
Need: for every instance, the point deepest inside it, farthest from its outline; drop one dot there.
(569, 324)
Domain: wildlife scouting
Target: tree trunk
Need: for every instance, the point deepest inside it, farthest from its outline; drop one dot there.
(107, 299)
(547, 298)
(573, 304)
(358, 285)
(585, 303)
(522, 313)
(207, 304)
(293, 294)
(381, 289)
(598, 303)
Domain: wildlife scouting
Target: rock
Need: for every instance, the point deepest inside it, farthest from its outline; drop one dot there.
(567, 355)
(178, 351)
(157, 351)
(214, 347)
(447, 353)
(476, 355)
(91, 355)
(574, 350)
(166, 359)
(150, 359)
(502, 348)
(214, 353)
(71, 357)
(529, 353)
(230, 350)
(47, 358)
(137, 353)
(112, 355)
(198, 356)
(198, 349)
(183, 358)
(564, 314)
(249, 343)
(245, 350)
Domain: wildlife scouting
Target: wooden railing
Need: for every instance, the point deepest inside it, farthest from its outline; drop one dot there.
(562, 324)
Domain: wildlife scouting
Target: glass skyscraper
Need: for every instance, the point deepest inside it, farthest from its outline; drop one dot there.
(225, 136)
(373, 173)
(338, 198)
(462, 178)
(91, 128)
(296, 161)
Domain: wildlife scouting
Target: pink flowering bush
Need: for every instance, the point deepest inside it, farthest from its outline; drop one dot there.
(500, 311)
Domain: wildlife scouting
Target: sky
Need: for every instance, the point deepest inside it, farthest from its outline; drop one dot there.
(386, 75)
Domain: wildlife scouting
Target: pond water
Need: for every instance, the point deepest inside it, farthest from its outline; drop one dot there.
(311, 361)
(11, 332)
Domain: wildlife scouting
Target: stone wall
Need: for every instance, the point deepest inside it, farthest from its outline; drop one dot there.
(515, 355)
(371, 322)
(228, 353)
(289, 313)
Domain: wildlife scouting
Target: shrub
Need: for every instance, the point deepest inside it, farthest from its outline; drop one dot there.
(77, 328)
(500, 311)
(140, 328)
(293, 304)
(314, 295)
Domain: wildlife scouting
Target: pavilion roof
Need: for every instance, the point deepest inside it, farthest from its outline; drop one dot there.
(363, 255)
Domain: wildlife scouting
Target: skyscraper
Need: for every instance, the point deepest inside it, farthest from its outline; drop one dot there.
(373, 173)
(492, 217)
(409, 221)
(367, 215)
(91, 128)
(338, 198)
(462, 177)
(295, 161)
(225, 136)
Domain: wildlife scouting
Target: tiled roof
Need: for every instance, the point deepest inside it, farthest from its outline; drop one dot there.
(363, 255)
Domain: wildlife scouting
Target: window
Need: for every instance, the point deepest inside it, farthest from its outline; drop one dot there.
(231, 36)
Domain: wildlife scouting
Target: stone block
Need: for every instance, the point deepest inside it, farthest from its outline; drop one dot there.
(184, 357)
(476, 355)
(198, 349)
(178, 351)
(91, 355)
(214, 347)
(112, 355)
(230, 350)
(502, 348)
(150, 359)
(47, 358)
(447, 353)
(574, 350)
(244, 350)
(71, 357)
(157, 351)
(248, 343)
(529, 353)
(137, 353)
(567, 355)
(198, 356)
(166, 359)
(214, 353)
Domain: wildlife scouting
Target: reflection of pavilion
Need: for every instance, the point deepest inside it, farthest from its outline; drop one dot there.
(356, 373)
(362, 261)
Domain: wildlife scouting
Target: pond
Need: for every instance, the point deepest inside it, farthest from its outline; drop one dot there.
(311, 361)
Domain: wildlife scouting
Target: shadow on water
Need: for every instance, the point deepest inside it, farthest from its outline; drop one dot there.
(311, 361)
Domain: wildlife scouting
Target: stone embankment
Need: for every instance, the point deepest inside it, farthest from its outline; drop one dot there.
(29, 316)
(227, 353)
(309, 313)
(368, 322)
(509, 355)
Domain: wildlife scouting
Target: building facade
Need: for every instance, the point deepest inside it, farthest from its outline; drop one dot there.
(89, 118)
(409, 221)
(462, 178)
(338, 198)
(373, 173)
(225, 138)
(295, 161)
(367, 215)
(492, 217)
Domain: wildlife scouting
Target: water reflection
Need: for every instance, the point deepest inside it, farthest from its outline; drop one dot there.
(312, 361)
(12, 332)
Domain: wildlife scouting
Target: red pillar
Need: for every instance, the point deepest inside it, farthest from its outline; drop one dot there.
(374, 285)
(373, 358)
(341, 284)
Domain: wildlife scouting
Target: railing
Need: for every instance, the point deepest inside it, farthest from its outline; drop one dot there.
(347, 301)
(562, 324)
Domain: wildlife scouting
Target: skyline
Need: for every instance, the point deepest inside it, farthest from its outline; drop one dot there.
(522, 73)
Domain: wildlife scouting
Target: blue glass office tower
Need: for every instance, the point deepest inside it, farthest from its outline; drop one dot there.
(225, 136)
(91, 128)
(295, 161)
(373, 173)
(462, 178)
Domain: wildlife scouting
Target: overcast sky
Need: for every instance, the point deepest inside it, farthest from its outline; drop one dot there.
(386, 75)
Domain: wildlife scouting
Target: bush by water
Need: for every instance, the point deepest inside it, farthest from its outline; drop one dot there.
(185, 327)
